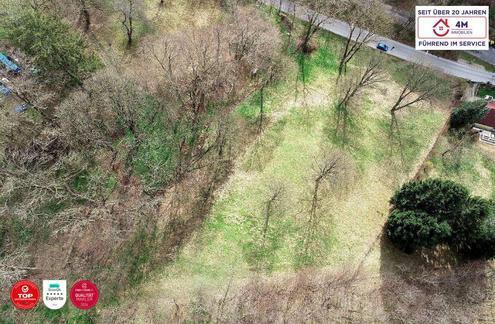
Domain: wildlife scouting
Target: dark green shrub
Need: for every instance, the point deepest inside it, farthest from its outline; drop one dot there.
(468, 113)
(439, 198)
(409, 230)
(467, 221)
(481, 244)
(434, 211)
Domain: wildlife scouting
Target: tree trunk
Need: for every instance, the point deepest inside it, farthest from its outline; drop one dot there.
(260, 127)
(85, 16)
(129, 38)
(267, 217)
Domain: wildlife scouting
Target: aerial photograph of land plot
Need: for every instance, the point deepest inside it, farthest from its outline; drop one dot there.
(247, 161)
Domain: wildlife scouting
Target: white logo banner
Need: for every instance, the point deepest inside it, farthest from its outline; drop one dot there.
(54, 293)
(452, 28)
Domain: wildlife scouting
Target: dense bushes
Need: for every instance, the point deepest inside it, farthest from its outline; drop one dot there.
(410, 229)
(431, 212)
(56, 49)
(468, 113)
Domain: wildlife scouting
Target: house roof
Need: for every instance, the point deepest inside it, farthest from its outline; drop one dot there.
(489, 119)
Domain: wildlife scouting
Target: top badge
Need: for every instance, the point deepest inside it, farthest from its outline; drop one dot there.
(25, 294)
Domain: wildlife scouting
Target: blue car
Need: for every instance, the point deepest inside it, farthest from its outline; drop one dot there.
(9, 65)
(382, 47)
(4, 89)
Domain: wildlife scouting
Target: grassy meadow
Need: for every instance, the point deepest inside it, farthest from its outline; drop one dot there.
(235, 242)
(473, 166)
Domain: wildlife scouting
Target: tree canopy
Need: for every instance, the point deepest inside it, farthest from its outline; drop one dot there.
(434, 211)
(52, 44)
(468, 113)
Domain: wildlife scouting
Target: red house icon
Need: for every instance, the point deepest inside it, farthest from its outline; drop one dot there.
(441, 27)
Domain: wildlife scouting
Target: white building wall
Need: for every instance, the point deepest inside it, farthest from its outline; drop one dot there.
(487, 137)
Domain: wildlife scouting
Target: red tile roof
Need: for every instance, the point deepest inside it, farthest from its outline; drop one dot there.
(489, 119)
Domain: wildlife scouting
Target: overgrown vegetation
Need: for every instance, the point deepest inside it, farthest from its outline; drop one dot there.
(124, 168)
(289, 205)
(55, 49)
(96, 159)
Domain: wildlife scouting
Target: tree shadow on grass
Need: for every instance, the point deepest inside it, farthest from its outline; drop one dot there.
(430, 287)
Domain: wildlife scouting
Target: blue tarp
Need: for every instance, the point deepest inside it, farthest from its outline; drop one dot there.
(21, 108)
(11, 66)
(4, 90)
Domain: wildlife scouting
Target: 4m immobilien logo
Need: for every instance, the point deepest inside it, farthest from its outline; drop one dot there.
(452, 27)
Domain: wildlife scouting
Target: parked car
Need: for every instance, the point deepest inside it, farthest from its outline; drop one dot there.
(9, 64)
(382, 47)
(4, 89)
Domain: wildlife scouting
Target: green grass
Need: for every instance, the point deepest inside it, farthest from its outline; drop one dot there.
(231, 243)
(322, 61)
(470, 166)
(486, 91)
(232, 239)
(474, 60)
(489, 164)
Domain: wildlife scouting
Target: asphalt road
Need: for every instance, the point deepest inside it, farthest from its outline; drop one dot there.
(487, 56)
(399, 50)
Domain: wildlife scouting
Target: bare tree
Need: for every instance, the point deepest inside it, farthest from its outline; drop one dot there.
(458, 141)
(256, 47)
(365, 18)
(420, 84)
(328, 170)
(354, 84)
(199, 74)
(109, 107)
(316, 12)
(276, 191)
(130, 11)
(78, 11)
(253, 41)
(265, 78)
(197, 69)
(312, 26)
(205, 69)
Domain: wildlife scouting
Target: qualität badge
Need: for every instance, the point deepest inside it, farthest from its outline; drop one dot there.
(84, 294)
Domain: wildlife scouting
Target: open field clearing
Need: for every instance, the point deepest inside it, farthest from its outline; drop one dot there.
(473, 166)
(232, 249)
